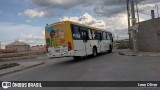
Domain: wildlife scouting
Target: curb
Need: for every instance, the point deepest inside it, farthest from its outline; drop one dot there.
(132, 54)
(22, 69)
(121, 53)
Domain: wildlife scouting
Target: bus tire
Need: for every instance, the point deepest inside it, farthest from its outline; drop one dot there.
(76, 57)
(110, 49)
(94, 51)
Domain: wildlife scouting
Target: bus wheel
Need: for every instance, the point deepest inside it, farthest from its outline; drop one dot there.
(110, 49)
(76, 57)
(94, 51)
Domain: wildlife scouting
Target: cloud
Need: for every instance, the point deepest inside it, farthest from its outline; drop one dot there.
(109, 10)
(119, 25)
(31, 20)
(60, 4)
(32, 39)
(147, 6)
(100, 7)
(86, 19)
(109, 7)
(30, 34)
(114, 7)
(36, 14)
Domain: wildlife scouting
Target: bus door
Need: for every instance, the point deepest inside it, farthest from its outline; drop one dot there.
(100, 42)
(77, 41)
(103, 42)
(85, 37)
(108, 40)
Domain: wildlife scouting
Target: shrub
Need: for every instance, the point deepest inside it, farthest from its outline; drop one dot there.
(4, 66)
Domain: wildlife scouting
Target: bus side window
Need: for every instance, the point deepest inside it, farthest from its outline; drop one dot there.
(84, 33)
(90, 34)
(93, 34)
(104, 36)
(99, 36)
(111, 37)
(108, 37)
(75, 32)
(96, 35)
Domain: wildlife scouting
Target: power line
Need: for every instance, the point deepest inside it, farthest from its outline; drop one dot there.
(146, 7)
(142, 10)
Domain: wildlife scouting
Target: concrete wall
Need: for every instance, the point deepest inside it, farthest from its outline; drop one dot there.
(19, 48)
(38, 48)
(148, 37)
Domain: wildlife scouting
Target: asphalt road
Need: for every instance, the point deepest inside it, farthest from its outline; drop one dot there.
(105, 67)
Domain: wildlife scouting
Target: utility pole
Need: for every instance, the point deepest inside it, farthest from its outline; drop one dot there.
(137, 12)
(134, 32)
(129, 31)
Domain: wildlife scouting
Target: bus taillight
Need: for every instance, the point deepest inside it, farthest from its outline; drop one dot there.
(69, 46)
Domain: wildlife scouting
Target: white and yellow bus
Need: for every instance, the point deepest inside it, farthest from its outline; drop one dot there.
(68, 38)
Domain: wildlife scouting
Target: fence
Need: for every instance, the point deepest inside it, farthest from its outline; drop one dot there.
(8, 51)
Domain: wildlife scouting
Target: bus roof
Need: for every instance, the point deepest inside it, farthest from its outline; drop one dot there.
(82, 25)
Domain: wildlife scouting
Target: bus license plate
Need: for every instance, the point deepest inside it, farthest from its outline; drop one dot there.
(58, 50)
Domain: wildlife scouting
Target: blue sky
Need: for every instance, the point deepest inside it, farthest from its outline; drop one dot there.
(25, 19)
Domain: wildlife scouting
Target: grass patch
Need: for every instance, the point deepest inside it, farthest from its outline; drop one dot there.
(4, 66)
(121, 44)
